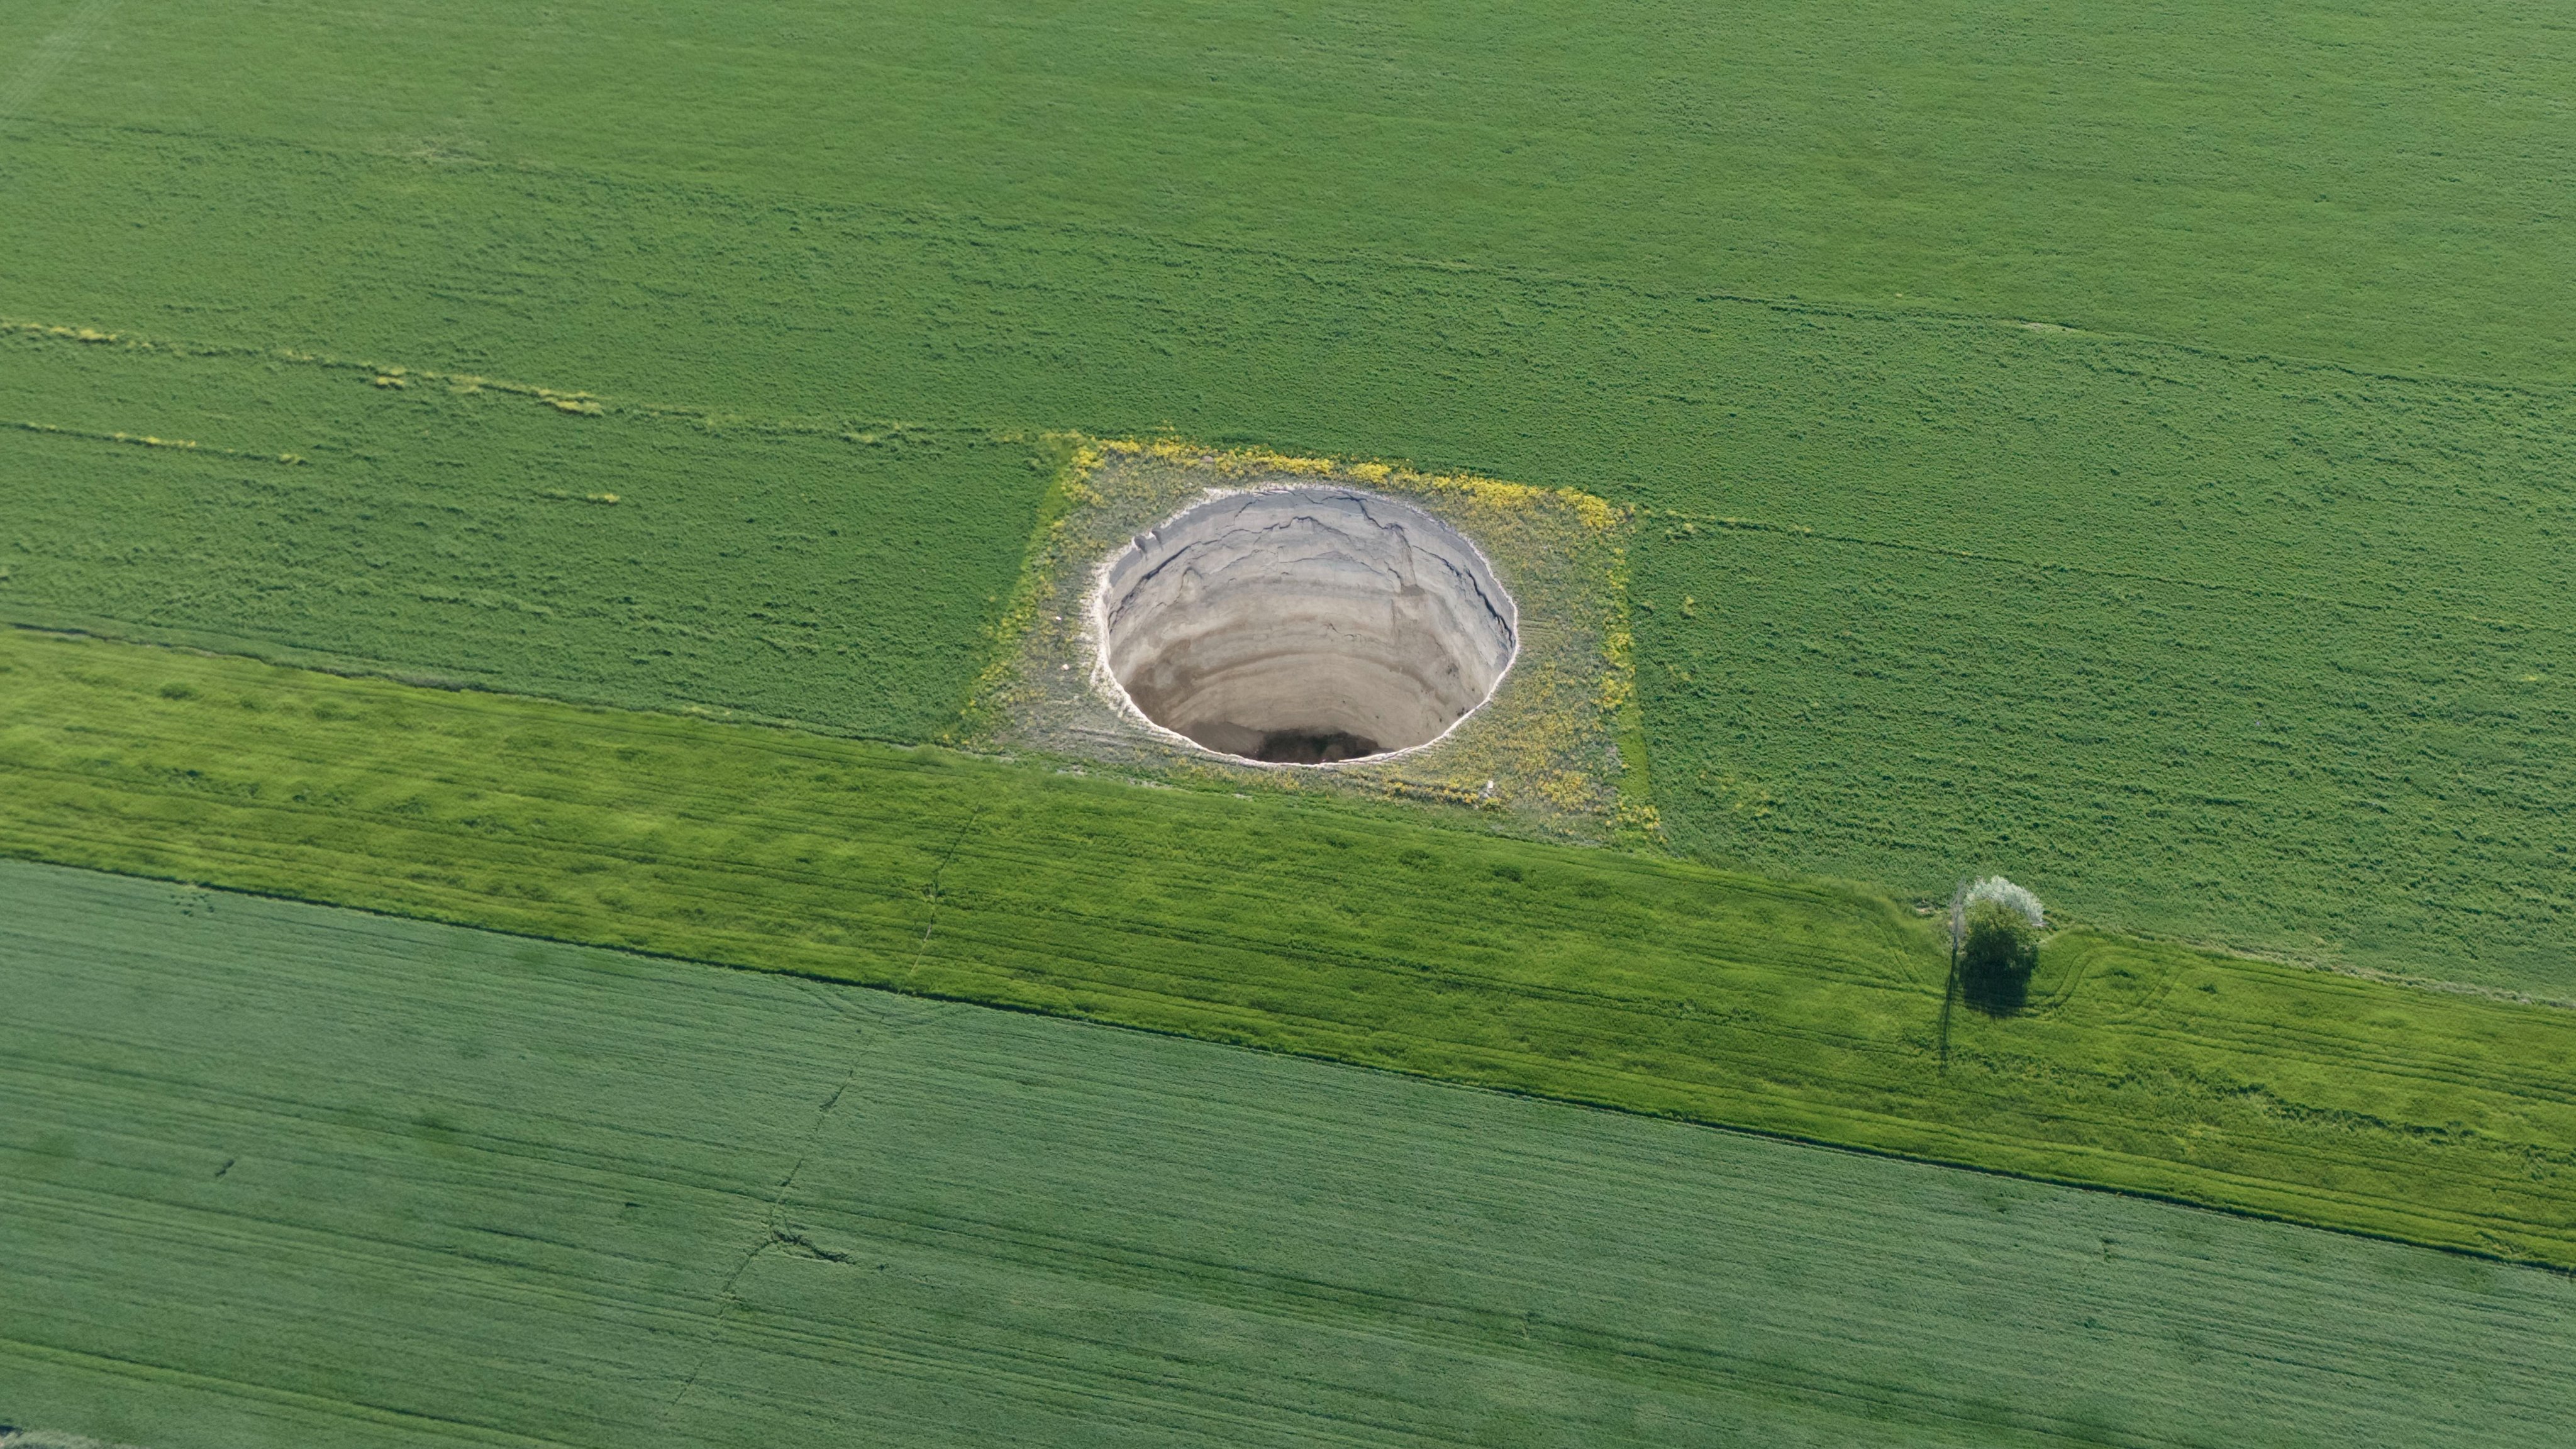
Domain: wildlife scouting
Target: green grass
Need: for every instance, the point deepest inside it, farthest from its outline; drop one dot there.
(2267, 695)
(2219, 760)
(838, 575)
(2364, 182)
(1551, 245)
(2239, 615)
(274, 1174)
(1359, 934)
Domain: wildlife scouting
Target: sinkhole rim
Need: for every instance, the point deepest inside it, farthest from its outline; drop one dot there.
(1477, 564)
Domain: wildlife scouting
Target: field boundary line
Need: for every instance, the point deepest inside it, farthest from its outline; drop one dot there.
(400, 376)
(146, 440)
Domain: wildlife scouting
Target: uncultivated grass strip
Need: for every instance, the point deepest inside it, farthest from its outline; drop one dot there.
(1364, 935)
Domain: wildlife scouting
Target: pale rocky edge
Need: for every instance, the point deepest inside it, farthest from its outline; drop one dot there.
(1309, 624)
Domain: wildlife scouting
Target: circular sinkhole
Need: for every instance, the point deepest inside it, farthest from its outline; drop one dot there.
(1304, 626)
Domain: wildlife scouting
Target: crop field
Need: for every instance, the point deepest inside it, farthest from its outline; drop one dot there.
(2315, 721)
(576, 472)
(2186, 170)
(2235, 612)
(1362, 934)
(472, 532)
(243, 1128)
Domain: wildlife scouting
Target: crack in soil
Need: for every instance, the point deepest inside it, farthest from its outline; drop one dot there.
(774, 1233)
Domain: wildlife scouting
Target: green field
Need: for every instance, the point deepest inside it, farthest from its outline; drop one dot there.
(2125, 451)
(464, 531)
(271, 1174)
(1366, 934)
(2371, 185)
(2248, 648)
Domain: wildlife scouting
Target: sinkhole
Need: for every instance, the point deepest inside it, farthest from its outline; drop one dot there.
(1304, 626)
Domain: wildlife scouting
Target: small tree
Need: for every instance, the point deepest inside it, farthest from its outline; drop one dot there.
(1997, 938)
(1996, 927)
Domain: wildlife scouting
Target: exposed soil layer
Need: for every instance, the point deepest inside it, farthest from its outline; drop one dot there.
(1305, 625)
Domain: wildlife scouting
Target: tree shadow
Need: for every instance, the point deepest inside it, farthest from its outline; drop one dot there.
(1996, 988)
